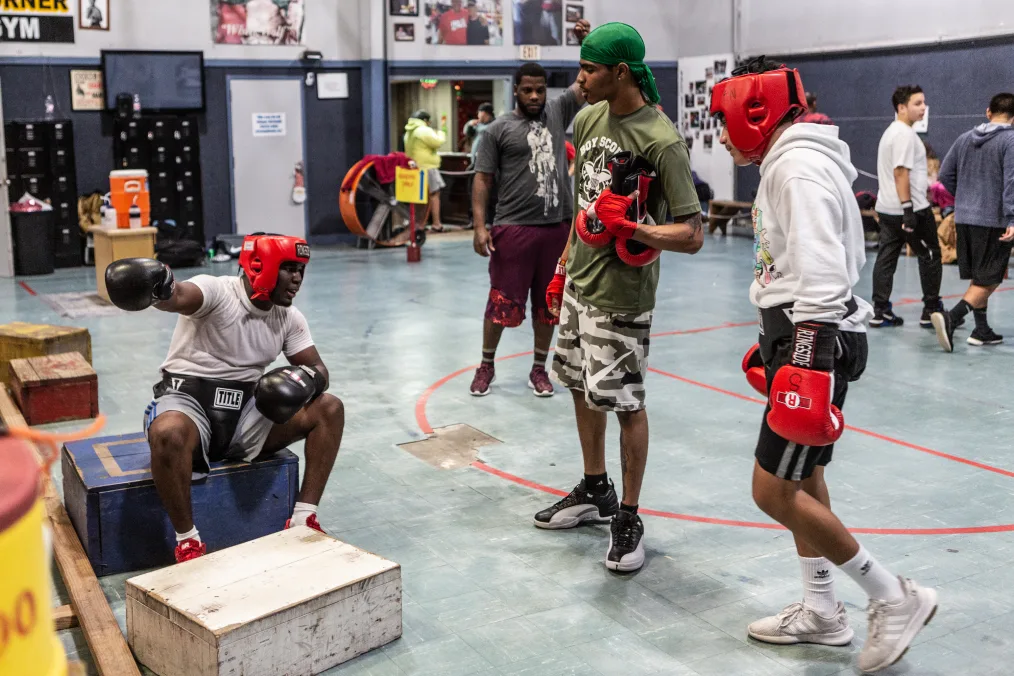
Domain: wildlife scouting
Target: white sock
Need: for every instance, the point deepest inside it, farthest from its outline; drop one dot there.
(876, 581)
(818, 585)
(301, 512)
(190, 534)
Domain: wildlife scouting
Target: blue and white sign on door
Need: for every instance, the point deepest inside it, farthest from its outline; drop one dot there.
(269, 124)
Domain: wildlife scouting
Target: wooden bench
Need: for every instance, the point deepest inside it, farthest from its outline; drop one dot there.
(720, 212)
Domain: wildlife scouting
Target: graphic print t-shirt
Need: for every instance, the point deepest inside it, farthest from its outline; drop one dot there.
(599, 275)
(530, 161)
(454, 27)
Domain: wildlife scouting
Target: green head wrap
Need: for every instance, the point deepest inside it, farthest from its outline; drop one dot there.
(614, 43)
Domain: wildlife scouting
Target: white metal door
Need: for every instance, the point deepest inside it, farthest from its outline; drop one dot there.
(266, 117)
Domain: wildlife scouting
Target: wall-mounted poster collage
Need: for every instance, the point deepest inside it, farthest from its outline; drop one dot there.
(698, 126)
(257, 22)
(481, 22)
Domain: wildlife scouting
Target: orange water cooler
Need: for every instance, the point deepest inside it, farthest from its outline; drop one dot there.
(128, 189)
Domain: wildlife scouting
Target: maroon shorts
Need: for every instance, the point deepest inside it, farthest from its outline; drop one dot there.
(523, 265)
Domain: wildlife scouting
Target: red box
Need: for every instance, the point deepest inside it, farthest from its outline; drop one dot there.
(55, 387)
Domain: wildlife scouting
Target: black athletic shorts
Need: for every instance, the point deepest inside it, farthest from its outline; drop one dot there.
(982, 257)
(779, 456)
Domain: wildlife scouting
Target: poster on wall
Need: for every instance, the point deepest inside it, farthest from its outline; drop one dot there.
(257, 22)
(86, 92)
(404, 8)
(37, 21)
(538, 22)
(455, 22)
(93, 15)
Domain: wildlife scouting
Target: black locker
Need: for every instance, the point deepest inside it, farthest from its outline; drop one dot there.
(25, 135)
(38, 185)
(61, 160)
(67, 245)
(65, 212)
(61, 135)
(31, 161)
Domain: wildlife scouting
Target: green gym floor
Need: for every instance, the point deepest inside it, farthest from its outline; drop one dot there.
(925, 474)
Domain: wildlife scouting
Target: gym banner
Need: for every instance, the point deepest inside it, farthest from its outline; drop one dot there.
(37, 20)
(257, 22)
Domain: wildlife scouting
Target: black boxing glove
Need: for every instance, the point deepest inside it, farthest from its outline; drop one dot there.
(280, 393)
(908, 218)
(135, 283)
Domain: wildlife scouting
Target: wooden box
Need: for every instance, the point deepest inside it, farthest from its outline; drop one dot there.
(296, 602)
(112, 502)
(19, 340)
(54, 388)
(112, 244)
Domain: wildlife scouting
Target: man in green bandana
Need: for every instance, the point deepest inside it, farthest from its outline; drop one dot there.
(605, 304)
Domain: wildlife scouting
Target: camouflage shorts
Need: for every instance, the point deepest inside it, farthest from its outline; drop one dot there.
(602, 354)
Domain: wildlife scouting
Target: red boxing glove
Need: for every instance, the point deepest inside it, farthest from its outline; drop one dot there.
(612, 210)
(591, 231)
(753, 367)
(801, 391)
(554, 292)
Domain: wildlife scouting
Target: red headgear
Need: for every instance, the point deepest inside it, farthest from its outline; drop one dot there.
(754, 104)
(263, 255)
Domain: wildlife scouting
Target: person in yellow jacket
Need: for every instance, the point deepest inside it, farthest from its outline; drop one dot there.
(421, 143)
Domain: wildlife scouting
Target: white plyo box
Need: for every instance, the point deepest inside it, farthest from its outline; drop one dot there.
(296, 602)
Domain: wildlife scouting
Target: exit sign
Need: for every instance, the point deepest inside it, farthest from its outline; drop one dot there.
(531, 52)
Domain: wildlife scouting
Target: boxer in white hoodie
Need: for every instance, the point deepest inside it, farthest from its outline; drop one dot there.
(809, 251)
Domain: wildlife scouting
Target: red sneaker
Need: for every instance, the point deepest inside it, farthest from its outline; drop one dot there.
(484, 377)
(190, 549)
(538, 380)
(311, 522)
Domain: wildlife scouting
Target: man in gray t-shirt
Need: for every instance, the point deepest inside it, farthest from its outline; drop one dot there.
(527, 157)
(524, 155)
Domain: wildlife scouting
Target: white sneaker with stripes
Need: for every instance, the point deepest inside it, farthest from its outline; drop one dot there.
(893, 626)
(799, 624)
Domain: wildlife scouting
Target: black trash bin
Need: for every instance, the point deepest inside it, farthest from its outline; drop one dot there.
(34, 237)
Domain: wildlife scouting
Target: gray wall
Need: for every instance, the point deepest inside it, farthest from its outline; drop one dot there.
(855, 90)
(790, 26)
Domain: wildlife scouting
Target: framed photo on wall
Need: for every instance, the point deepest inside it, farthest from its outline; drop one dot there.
(86, 92)
(404, 8)
(93, 15)
(404, 32)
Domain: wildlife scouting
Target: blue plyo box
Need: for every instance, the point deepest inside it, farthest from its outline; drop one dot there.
(112, 502)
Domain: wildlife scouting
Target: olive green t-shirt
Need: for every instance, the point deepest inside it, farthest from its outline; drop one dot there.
(602, 279)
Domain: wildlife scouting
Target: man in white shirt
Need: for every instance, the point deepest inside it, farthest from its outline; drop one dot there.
(214, 401)
(904, 210)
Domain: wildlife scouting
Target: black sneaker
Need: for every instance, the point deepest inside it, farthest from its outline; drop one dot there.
(927, 310)
(578, 507)
(626, 543)
(945, 329)
(885, 317)
(987, 337)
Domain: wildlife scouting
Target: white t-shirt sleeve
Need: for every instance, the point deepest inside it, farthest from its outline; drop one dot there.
(297, 333)
(814, 218)
(903, 151)
(213, 290)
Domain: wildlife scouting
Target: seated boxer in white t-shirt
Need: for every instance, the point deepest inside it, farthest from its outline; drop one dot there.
(214, 401)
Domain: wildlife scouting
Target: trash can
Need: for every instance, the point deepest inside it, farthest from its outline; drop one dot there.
(34, 235)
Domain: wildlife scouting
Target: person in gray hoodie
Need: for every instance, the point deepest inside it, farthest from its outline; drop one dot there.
(808, 242)
(979, 171)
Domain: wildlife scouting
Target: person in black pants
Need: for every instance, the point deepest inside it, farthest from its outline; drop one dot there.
(904, 210)
(979, 171)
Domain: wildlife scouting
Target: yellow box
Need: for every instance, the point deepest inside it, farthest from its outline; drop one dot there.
(20, 340)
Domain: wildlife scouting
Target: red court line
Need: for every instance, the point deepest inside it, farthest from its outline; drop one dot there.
(27, 288)
(1003, 528)
(909, 301)
(424, 425)
(420, 405)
